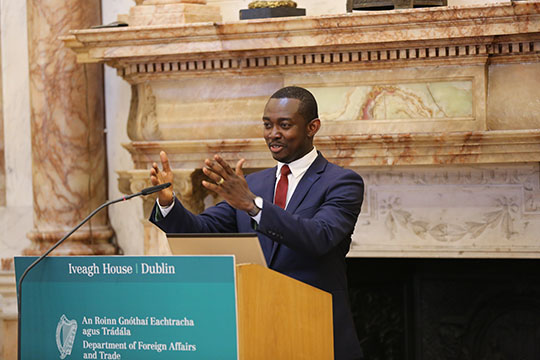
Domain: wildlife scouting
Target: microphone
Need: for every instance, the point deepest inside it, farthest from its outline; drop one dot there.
(145, 191)
(153, 189)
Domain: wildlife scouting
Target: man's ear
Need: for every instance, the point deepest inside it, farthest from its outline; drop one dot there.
(313, 127)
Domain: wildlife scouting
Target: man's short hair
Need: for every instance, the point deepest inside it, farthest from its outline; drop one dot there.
(308, 105)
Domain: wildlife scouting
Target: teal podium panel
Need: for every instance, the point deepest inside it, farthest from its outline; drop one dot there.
(123, 307)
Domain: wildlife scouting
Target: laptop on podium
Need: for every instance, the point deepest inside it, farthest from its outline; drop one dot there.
(244, 246)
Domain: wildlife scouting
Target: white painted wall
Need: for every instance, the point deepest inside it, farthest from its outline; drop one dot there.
(16, 218)
(125, 217)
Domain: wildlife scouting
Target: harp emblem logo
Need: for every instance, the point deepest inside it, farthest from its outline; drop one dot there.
(65, 335)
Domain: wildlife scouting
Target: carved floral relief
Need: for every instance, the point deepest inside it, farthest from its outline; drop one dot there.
(478, 210)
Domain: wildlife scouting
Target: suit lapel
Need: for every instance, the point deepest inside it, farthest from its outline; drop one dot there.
(268, 186)
(310, 177)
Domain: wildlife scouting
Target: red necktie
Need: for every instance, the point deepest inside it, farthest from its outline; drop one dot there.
(283, 185)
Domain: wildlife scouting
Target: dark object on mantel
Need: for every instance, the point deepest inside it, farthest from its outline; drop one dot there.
(368, 5)
(262, 13)
(114, 24)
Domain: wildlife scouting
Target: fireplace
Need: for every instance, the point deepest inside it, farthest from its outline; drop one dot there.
(446, 309)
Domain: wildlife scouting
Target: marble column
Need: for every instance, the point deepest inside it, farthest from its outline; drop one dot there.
(67, 122)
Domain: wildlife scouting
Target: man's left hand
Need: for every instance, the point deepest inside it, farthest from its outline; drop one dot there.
(228, 183)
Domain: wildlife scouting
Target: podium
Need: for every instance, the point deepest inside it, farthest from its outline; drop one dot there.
(282, 318)
(192, 307)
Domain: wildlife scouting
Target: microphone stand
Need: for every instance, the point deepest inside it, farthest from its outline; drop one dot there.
(146, 191)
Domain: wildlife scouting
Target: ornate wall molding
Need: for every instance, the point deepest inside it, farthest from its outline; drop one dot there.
(496, 33)
(465, 211)
(512, 51)
(358, 150)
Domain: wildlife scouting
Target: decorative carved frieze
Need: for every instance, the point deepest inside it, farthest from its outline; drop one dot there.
(465, 211)
(406, 56)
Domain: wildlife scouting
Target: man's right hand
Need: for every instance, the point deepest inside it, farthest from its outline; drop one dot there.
(158, 177)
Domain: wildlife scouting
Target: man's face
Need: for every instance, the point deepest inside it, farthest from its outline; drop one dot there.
(287, 134)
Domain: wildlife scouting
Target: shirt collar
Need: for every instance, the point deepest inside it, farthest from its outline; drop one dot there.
(299, 166)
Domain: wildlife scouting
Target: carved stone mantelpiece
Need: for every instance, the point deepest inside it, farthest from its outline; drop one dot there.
(359, 150)
(187, 186)
(441, 92)
(384, 39)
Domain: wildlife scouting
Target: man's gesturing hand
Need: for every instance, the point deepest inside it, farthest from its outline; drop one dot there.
(158, 177)
(228, 183)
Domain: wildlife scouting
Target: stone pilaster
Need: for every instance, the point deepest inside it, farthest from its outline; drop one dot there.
(8, 312)
(67, 122)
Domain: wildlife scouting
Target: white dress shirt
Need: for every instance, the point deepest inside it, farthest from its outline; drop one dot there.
(298, 169)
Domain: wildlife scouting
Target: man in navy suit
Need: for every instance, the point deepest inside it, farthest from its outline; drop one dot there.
(304, 210)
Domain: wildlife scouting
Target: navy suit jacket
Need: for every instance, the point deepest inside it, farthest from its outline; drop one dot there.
(308, 241)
